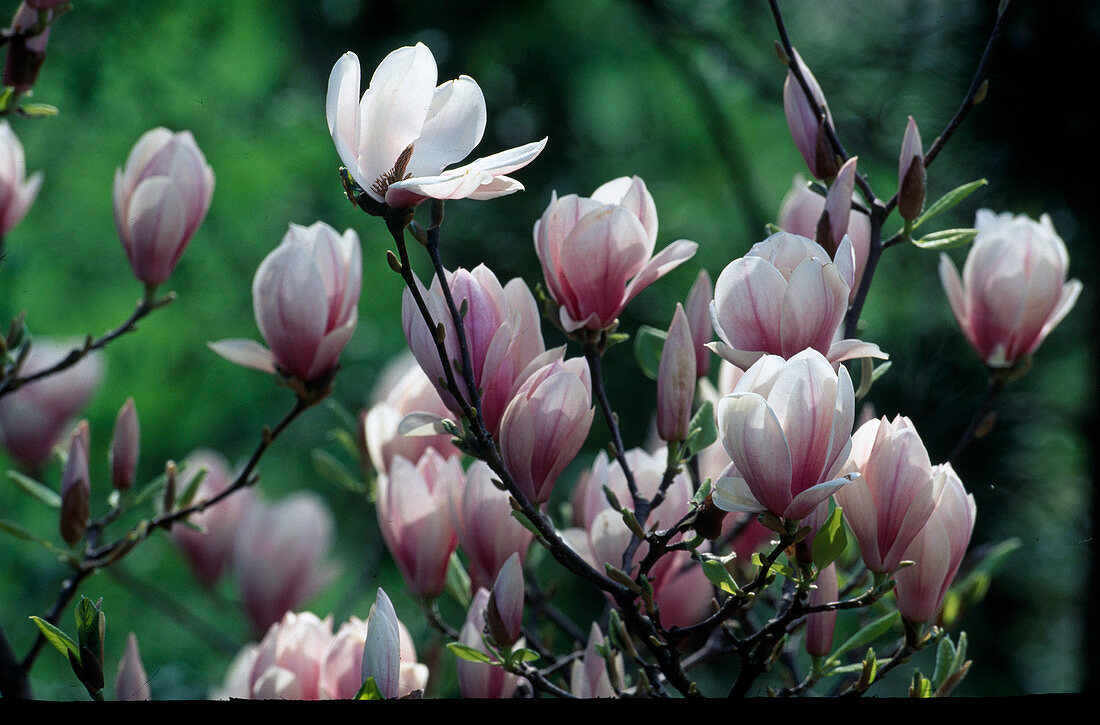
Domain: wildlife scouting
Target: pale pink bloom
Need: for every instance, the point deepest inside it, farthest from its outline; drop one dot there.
(1013, 289)
(478, 679)
(938, 549)
(76, 489)
(676, 380)
(486, 529)
(784, 296)
(17, 193)
(504, 611)
(397, 140)
(132, 682)
(125, 446)
(415, 519)
(597, 253)
(209, 551)
(279, 556)
(33, 418)
(305, 295)
(285, 665)
(820, 625)
(787, 429)
(402, 389)
(892, 498)
(45, 4)
(589, 677)
(161, 198)
(589, 499)
(911, 173)
(697, 308)
(545, 426)
(502, 333)
(807, 130)
(342, 665)
(800, 212)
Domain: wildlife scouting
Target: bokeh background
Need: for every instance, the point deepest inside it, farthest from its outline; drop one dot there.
(686, 95)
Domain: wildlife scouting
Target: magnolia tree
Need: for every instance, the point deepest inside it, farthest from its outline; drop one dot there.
(765, 513)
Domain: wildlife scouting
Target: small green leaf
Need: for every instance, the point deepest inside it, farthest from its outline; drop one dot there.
(949, 200)
(193, 484)
(525, 522)
(20, 533)
(704, 491)
(62, 642)
(868, 634)
(830, 541)
(946, 239)
(458, 581)
(615, 338)
(39, 110)
(346, 441)
(648, 343)
(720, 577)
(704, 422)
(921, 686)
(150, 490)
(369, 691)
(945, 661)
(36, 489)
(469, 653)
(331, 469)
(6, 97)
(347, 420)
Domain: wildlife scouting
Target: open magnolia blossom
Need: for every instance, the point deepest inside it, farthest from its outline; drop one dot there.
(397, 140)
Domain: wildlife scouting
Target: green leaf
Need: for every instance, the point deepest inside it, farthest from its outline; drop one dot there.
(331, 469)
(949, 200)
(720, 577)
(193, 484)
(369, 691)
(946, 239)
(458, 581)
(347, 420)
(830, 541)
(704, 491)
(346, 441)
(39, 110)
(869, 375)
(470, 654)
(945, 661)
(648, 343)
(20, 533)
(150, 490)
(921, 686)
(704, 422)
(62, 642)
(525, 522)
(6, 97)
(868, 634)
(36, 489)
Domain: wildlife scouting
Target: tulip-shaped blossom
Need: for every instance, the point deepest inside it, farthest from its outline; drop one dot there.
(911, 173)
(804, 118)
(676, 380)
(382, 648)
(782, 297)
(33, 417)
(76, 488)
(279, 556)
(545, 426)
(125, 446)
(209, 551)
(833, 224)
(889, 503)
(800, 213)
(397, 140)
(787, 429)
(486, 529)
(697, 309)
(342, 666)
(161, 198)
(590, 677)
(401, 390)
(305, 295)
(504, 611)
(502, 333)
(132, 683)
(938, 549)
(17, 192)
(414, 515)
(1013, 289)
(481, 680)
(597, 253)
(286, 665)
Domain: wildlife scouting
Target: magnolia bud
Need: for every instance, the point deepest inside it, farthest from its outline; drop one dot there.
(504, 613)
(132, 682)
(806, 125)
(697, 309)
(911, 174)
(676, 380)
(125, 446)
(820, 625)
(75, 488)
(17, 193)
(25, 53)
(833, 224)
(382, 650)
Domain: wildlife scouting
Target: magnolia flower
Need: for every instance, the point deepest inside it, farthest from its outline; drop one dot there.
(305, 296)
(590, 676)
(787, 429)
(397, 140)
(597, 253)
(1013, 290)
(784, 296)
(486, 529)
(17, 193)
(480, 679)
(160, 199)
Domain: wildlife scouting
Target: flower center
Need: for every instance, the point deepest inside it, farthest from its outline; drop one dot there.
(397, 173)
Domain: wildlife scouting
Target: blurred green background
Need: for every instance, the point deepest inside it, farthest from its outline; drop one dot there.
(686, 95)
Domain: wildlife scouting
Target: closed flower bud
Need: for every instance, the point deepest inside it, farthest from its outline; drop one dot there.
(833, 224)
(382, 649)
(911, 174)
(1013, 290)
(160, 199)
(125, 446)
(590, 676)
(697, 309)
(479, 679)
(820, 625)
(75, 488)
(26, 53)
(676, 380)
(504, 612)
(132, 683)
(805, 123)
(305, 295)
(17, 193)
(545, 426)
